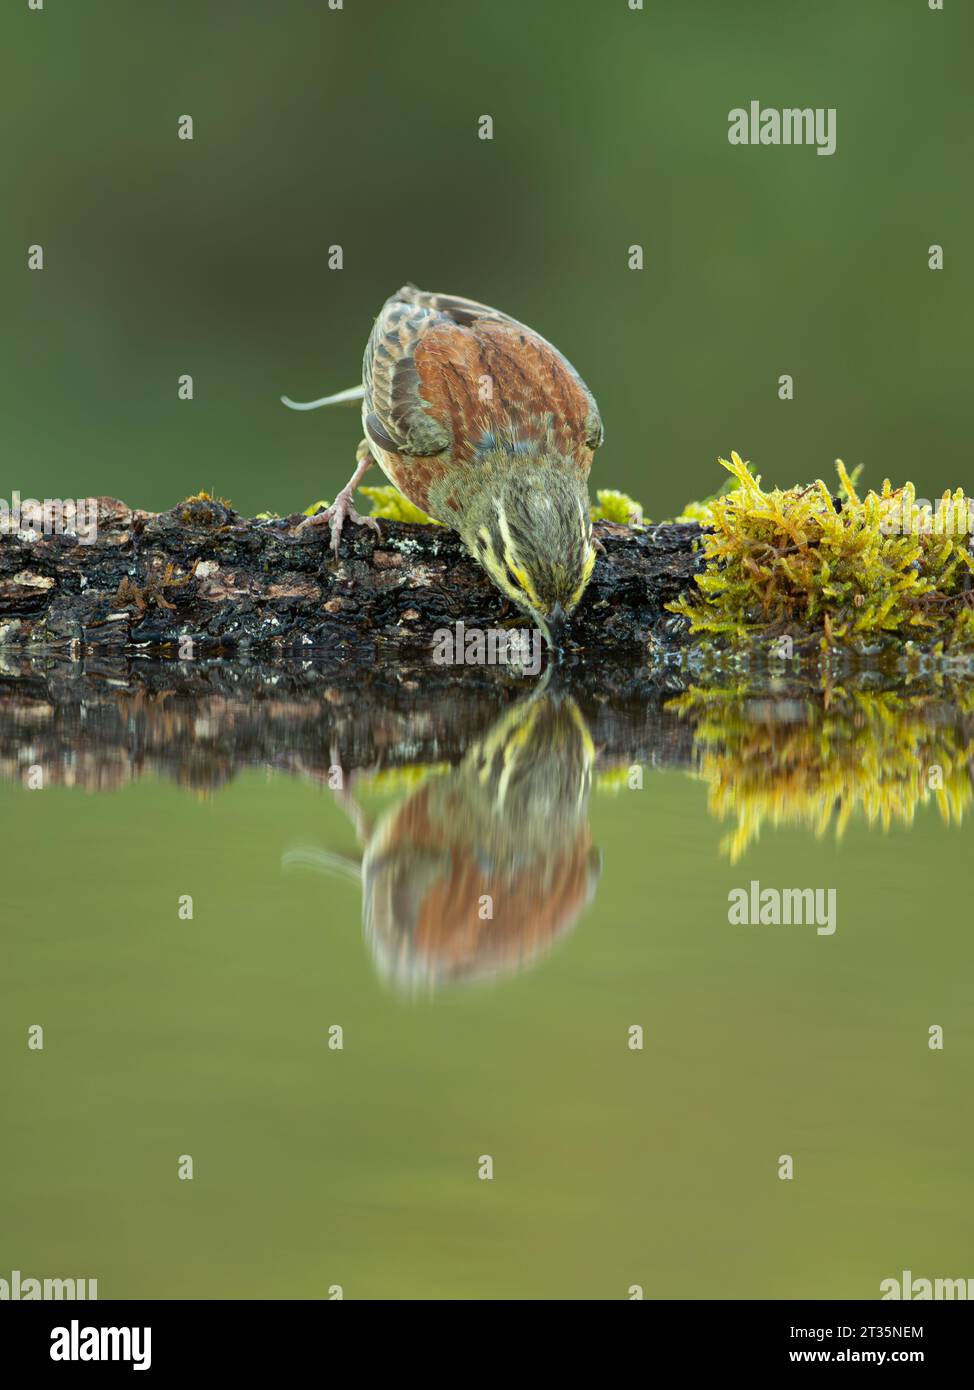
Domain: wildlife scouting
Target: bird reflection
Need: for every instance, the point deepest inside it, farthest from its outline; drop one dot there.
(481, 869)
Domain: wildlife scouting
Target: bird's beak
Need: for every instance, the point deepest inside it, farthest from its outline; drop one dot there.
(557, 629)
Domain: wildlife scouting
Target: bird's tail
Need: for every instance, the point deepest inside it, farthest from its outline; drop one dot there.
(322, 861)
(354, 393)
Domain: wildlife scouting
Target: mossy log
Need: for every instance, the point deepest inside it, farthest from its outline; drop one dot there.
(230, 585)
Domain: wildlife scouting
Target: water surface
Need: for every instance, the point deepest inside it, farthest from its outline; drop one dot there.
(508, 1034)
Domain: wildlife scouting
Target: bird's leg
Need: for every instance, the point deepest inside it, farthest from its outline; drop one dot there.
(342, 510)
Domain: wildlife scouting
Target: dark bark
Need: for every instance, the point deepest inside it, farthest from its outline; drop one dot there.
(233, 585)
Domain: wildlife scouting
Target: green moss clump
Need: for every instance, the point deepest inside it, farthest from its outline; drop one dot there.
(618, 507)
(854, 569)
(203, 496)
(389, 502)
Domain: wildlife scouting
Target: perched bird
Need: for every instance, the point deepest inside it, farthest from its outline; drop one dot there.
(481, 869)
(486, 427)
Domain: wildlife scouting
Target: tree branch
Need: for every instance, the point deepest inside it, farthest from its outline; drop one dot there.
(149, 581)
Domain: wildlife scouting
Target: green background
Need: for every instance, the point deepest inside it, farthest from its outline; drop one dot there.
(359, 127)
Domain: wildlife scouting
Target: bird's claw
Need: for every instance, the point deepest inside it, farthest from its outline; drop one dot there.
(335, 516)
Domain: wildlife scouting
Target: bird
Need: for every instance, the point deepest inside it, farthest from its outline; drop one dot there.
(485, 426)
(479, 870)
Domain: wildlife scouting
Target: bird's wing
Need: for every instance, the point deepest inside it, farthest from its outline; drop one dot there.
(396, 416)
(464, 312)
(441, 370)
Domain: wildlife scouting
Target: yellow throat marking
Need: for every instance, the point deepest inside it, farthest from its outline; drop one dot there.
(505, 567)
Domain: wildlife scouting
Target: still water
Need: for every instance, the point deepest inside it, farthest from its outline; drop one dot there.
(490, 899)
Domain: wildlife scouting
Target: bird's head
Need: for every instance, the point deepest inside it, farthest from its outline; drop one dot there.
(529, 524)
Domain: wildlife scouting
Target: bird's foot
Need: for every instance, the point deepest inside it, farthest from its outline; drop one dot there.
(335, 516)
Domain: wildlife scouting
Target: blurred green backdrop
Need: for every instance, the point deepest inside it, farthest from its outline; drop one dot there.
(359, 127)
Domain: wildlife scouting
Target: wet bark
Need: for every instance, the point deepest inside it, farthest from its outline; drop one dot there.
(202, 574)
